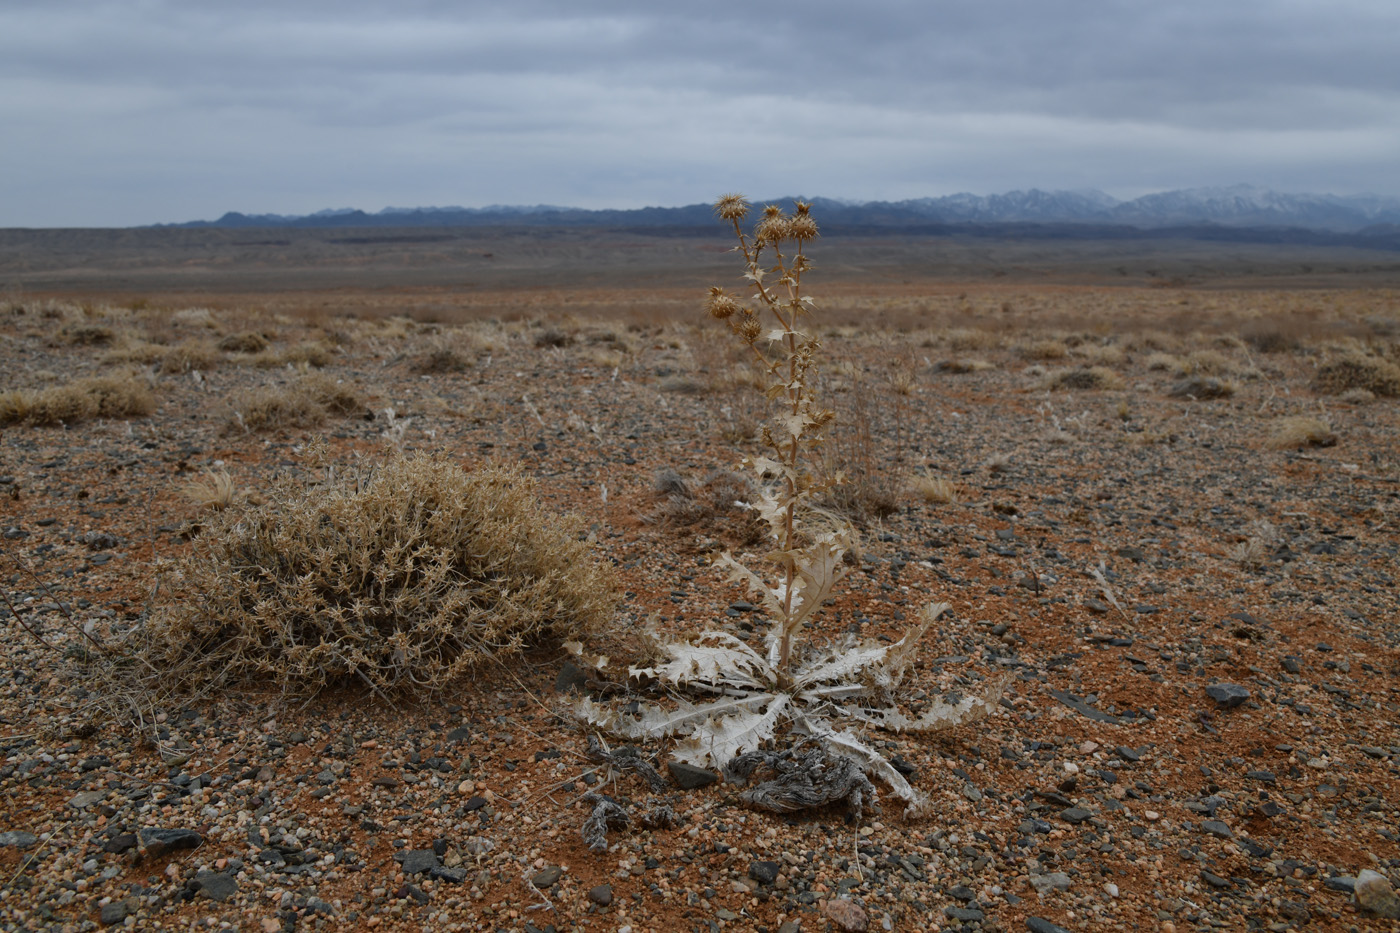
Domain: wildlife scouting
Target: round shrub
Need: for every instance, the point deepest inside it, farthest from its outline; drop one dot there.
(403, 579)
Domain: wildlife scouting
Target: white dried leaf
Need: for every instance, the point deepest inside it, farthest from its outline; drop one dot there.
(870, 761)
(711, 659)
(717, 740)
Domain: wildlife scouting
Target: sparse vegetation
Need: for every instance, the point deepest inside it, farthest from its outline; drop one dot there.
(1301, 431)
(118, 396)
(1377, 376)
(304, 403)
(403, 578)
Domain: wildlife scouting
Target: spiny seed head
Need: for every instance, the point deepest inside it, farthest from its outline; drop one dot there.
(719, 304)
(732, 207)
(802, 227)
(774, 227)
(749, 328)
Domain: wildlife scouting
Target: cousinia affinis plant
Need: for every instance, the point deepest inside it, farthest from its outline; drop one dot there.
(748, 694)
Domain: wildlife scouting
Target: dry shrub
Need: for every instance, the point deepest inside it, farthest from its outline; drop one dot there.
(935, 489)
(214, 493)
(1379, 377)
(247, 342)
(305, 403)
(554, 338)
(961, 366)
(965, 339)
(1083, 377)
(1201, 387)
(441, 359)
(1163, 362)
(302, 354)
(1205, 363)
(1047, 349)
(405, 578)
(85, 335)
(1301, 431)
(190, 355)
(121, 396)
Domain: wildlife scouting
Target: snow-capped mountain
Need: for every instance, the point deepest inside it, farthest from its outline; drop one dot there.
(1235, 206)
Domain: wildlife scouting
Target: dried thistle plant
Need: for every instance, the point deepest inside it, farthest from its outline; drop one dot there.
(751, 694)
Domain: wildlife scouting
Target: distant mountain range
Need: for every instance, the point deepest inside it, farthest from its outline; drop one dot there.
(1238, 206)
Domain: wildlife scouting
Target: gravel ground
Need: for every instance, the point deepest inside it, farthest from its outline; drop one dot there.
(1200, 732)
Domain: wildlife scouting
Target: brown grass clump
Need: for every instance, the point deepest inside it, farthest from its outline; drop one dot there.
(303, 404)
(935, 489)
(1299, 431)
(1084, 377)
(1042, 350)
(247, 342)
(124, 396)
(85, 335)
(1202, 387)
(214, 493)
(1377, 376)
(404, 579)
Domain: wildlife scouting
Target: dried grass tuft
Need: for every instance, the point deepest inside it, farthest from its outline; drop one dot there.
(1084, 377)
(303, 404)
(935, 489)
(1299, 431)
(1377, 376)
(120, 396)
(405, 578)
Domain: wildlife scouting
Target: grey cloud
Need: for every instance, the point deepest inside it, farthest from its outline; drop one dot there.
(624, 103)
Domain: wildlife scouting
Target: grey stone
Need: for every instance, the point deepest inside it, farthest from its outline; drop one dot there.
(571, 677)
(1075, 815)
(1041, 925)
(764, 872)
(417, 861)
(216, 885)
(454, 875)
(963, 913)
(160, 841)
(1227, 696)
(1342, 883)
(18, 838)
(548, 878)
(87, 798)
(1084, 709)
(601, 894)
(459, 734)
(114, 912)
(1217, 828)
(690, 777)
(1050, 881)
(790, 926)
(1214, 880)
(1375, 895)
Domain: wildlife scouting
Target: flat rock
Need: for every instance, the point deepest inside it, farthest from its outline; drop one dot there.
(1050, 881)
(113, 913)
(1075, 815)
(548, 878)
(216, 885)
(1375, 896)
(1041, 925)
(764, 872)
(160, 841)
(87, 798)
(601, 894)
(18, 838)
(1227, 696)
(847, 915)
(417, 861)
(1217, 828)
(689, 777)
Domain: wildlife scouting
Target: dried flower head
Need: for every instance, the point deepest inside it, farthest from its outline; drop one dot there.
(802, 226)
(749, 328)
(732, 207)
(774, 227)
(719, 304)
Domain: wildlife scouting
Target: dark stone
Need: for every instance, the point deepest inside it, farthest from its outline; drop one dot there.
(690, 777)
(474, 803)
(1075, 815)
(1340, 883)
(963, 893)
(1215, 881)
(1292, 664)
(459, 734)
(160, 841)
(114, 912)
(1217, 828)
(602, 894)
(1227, 696)
(216, 885)
(1126, 753)
(548, 878)
(1039, 925)
(571, 677)
(963, 913)
(21, 839)
(764, 872)
(1084, 709)
(417, 861)
(454, 875)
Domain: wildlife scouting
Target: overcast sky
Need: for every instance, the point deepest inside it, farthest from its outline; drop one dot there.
(149, 111)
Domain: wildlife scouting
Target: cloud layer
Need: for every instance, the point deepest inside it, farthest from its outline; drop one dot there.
(128, 113)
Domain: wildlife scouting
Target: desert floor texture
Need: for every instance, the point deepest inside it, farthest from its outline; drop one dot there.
(1139, 499)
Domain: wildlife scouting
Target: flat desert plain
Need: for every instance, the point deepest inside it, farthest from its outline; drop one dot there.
(1158, 483)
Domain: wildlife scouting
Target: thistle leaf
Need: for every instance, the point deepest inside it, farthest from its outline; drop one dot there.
(717, 740)
(870, 761)
(657, 723)
(712, 659)
(937, 717)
